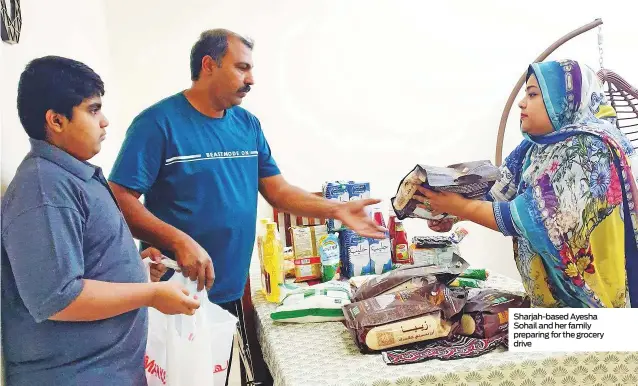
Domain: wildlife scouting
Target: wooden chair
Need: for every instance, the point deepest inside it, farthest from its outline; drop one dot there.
(252, 356)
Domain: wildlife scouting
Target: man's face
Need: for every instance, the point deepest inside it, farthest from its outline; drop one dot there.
(230, 83)
(82, 136)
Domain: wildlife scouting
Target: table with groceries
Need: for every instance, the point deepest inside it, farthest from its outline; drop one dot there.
(335, 308)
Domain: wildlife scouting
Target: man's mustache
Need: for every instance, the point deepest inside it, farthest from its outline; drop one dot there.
(246, 88)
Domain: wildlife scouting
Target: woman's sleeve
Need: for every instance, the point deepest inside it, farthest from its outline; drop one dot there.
(505, 188)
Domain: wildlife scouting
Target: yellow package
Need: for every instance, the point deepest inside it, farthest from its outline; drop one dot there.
(305, 239)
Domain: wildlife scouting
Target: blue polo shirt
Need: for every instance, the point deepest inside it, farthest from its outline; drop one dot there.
(201, 175)
(60, 224)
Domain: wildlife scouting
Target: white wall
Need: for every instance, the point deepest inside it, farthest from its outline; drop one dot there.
(345, 90)
(367, 89)
(71, 28)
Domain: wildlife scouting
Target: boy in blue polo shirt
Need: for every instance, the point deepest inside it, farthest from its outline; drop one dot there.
(74, 289)
(200, 160)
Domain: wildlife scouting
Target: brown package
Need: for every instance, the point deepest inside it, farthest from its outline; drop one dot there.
(410, 277)
(404, 317)
(486, 313)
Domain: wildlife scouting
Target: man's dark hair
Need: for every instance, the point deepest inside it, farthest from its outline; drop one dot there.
(53, 83)
(213, 43)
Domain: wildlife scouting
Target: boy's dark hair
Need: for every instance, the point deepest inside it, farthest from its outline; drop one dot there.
(53, 83)
(213, 43)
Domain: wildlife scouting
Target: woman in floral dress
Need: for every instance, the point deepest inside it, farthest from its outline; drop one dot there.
(567, 194)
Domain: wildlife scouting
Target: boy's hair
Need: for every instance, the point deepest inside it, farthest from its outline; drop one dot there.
(53, 83)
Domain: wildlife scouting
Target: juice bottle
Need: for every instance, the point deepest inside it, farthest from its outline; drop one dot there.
(273, 263)
(261, 231)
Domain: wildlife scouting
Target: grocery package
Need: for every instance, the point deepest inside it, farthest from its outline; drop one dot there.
(355, 254)
(308, 268)
(330, 256)
(319, 303)
(475, 273)
(404, 317)
(358, 190)
(437, 249)
(380, 249)
(470, 179)
(344, 191)
(335, 191)
(357, 281)
(272, 269)
(289, 263)
(380, 255)
(467, 283)
(410, 277)
(305, 239)
(486, 313)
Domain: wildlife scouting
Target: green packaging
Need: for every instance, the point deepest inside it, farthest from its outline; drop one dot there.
(471, 273)
(467, 283)
(329, 253)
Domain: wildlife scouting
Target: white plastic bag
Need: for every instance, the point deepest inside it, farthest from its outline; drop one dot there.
(189, 350)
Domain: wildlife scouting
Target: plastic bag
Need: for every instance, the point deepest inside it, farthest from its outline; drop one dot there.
(189, 350)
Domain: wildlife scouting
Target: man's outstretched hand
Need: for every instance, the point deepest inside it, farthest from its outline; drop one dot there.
(353, 215)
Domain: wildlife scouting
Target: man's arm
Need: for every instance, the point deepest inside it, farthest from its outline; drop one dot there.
(289, 198)
(193, 259)
(281, 195)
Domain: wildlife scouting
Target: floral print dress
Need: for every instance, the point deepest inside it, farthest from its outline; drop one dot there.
(568, 198)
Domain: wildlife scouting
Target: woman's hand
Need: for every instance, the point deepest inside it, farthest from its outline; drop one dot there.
(476, 211)
(441, 202)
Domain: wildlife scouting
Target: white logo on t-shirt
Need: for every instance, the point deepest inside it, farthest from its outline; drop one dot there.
(212, 156)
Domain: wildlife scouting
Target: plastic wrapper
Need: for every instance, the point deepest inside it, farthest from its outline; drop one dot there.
(471, 179)
(410, 277)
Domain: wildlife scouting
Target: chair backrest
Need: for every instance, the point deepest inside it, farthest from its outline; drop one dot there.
(286, 220)
(624, 99)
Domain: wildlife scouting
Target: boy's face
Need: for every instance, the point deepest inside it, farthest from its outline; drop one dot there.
(81, 136)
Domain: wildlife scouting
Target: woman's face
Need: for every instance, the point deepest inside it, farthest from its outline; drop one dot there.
(534, 118)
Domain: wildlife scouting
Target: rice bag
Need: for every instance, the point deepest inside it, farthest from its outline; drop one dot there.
(404, 317)
(330, 256)
(410, 277)
(319, 303)
(486, 313)
(470, 179)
